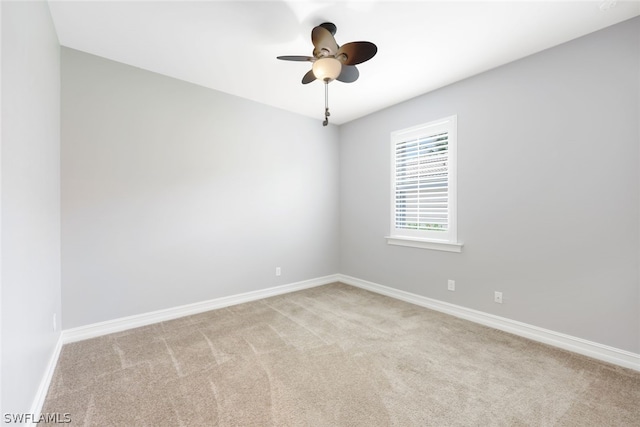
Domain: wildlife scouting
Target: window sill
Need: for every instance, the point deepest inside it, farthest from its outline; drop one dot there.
(424, 243)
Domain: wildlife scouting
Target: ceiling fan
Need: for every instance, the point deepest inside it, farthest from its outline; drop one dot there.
(333, 62)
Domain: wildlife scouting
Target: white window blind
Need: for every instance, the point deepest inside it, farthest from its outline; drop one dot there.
(422, 183)
(423, 177)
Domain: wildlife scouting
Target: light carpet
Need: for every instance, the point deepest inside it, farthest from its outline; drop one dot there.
(334, 355)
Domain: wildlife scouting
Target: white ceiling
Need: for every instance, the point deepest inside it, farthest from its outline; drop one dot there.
(232, 46)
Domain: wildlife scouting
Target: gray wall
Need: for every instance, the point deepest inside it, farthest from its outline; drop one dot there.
(548, 199)
(174, 194)
(30, 197)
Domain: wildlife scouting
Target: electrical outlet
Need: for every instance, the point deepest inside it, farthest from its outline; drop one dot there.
(278, 271)
(451, 285)
(55, 323)
(497, 297)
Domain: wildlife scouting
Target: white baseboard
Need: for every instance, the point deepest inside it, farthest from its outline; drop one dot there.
(577, 345)
(567, 342)
(41, 394)
(130, 322)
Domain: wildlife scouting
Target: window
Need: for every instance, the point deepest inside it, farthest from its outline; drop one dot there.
(423, 186)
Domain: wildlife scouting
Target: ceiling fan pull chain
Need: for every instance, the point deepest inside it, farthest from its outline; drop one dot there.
(326, 103)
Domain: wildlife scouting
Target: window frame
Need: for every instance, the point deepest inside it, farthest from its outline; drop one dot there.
(438, 240)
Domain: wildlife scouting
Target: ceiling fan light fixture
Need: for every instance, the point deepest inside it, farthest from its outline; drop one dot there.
(327, 69)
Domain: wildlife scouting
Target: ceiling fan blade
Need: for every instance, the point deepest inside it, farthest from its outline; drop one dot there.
(349, 74)
(323, 41)
(330, 26)
(295, 58)
(308, 78)
(356, 52)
